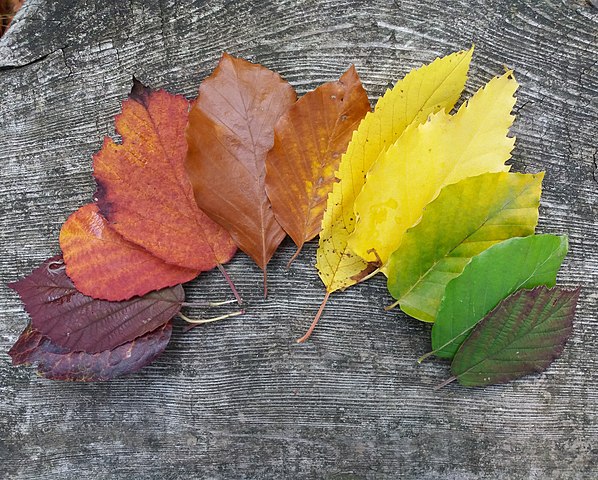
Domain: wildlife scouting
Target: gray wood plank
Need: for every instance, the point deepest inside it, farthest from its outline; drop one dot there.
(240, 399)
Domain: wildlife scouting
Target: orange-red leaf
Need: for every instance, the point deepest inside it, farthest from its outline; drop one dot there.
(77, 322)
(308, 143)
(103, 265)
(143, 190)
(231, 129)
(57, 363)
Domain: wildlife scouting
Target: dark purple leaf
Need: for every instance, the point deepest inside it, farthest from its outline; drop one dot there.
(57, 363)
(77, 322)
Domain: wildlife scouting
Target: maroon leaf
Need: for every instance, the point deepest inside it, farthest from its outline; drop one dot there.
(77, 322)
(57, 363)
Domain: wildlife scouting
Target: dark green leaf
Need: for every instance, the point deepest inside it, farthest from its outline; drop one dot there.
(522, 335)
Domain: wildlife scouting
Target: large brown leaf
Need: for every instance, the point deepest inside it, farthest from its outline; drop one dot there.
(143, 190)
(77, 322)
(231, 129)
(57, 363)
(103, 265)
(308, 143)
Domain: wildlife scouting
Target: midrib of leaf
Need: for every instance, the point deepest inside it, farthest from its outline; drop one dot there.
(259, 178)
(160, 174)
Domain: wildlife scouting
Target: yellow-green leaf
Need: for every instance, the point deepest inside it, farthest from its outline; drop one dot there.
(465, 219)
(427, 157)
(430, 89)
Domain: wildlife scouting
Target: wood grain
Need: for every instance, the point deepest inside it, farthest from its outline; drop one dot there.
(240, 399)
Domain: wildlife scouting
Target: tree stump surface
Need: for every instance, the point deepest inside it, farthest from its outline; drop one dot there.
(240, 399)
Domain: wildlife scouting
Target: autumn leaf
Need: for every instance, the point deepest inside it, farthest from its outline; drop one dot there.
(58, 363)
(424, 91)
(103, 265)
(464, 220)
(427, 157)
(429, 89)
(522, 335)
(309, 140)
(231, 129)
(143, 189)
(77, 322)
(490, 277)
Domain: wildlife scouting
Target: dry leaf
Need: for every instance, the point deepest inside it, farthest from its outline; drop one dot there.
(308, 143)
(103, 265)
(143, 189)
(231, 129)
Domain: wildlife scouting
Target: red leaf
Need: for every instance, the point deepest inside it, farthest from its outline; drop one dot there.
(103, 265)
(231, 129)
(80, 323)
(308, 143)
(143, 190)
(57, 363)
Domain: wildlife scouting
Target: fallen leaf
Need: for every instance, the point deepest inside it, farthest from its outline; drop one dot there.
(427, 157)
(143, 189)
(490, 277)
(309, 140)
(522, 335)
(464, 220)
(78, 322)
(231, 129)
(58, 363)
(424, 91)
(103, 265)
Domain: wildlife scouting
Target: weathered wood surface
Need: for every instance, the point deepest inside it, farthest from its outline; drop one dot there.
(240, 399)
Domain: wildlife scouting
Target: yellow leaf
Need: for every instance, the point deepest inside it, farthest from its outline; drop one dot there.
(442, 151)
(430, 89)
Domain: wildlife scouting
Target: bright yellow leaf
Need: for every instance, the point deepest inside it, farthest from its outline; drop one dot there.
(442, 151)
(429, 89)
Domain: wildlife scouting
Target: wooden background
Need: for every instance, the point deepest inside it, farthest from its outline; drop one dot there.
(240, 399)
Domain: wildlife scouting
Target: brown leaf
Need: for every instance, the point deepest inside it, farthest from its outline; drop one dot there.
(77, 322)
(231, 129)
(143, 189)
(57, 363)
(308, 143)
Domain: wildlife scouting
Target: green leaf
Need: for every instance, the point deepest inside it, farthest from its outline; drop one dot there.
(524, 334)
(489, 277)
(467, 218)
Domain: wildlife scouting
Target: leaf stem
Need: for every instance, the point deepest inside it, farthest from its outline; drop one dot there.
(371, 274)
(433, 352)
(230, 284)
(315, 320)
(265, 282)
(207, 304)
(390, 307)
(445, 383)
(295, 255)
(201, 321)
